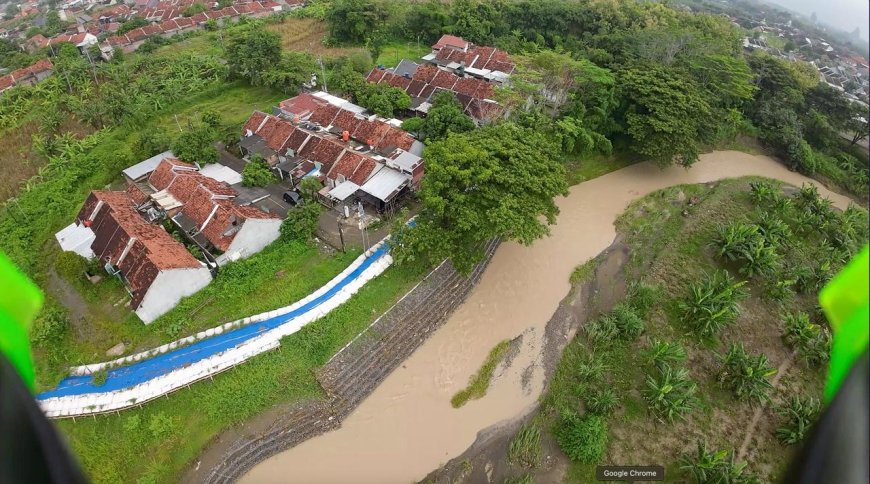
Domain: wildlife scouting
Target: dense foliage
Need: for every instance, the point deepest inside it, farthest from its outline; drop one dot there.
(499, 181)
(257, 173)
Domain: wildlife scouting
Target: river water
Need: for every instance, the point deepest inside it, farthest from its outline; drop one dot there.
(407, 427)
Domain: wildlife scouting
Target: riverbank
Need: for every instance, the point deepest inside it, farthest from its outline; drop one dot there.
(518, 294)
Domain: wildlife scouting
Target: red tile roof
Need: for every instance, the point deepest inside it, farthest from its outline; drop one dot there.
(140, 250)
(376, 75)
(363, 171)
(302, 105)
(345, 165)
(425, 73)
(19, 75)
(324, 115)
(254, 122)
(445, 79)
(450, 41)
(166, 171)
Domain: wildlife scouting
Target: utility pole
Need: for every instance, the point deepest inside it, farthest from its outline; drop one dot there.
(323, 73)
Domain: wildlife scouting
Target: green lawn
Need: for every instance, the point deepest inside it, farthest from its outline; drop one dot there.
(395, 51)
(234, 101)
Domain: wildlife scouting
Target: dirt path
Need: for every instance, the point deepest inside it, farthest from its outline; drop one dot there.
(756, 417)
(407, 426)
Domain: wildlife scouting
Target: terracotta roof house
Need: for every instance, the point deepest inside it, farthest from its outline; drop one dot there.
(207, 211)
(451, 41)
(27, 76)
(156, 269)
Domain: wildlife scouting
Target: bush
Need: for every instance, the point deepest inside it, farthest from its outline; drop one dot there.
(747, 376)
(602, 402)
(628, 323)
(301, 222)
(662, 354)
(49, 327)
(591, 370)
(799, 414)
(642, 297)
(707, 466)
(670, 394)
(582, 439)
(525, 448)
(763, 192)
(746, 244)
(257, 174)
(602, 329)
(712, 304)
(811, 340)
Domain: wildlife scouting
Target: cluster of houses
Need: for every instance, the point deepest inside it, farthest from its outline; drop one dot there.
(124, 230)
(470, 72)
(26, 76)
(360, 159)
(91, 24)
(842, 70)
(171, 21)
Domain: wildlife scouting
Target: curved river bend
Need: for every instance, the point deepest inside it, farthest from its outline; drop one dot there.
(406, 427)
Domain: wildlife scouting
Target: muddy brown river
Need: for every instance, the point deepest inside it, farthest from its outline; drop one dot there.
(406, 427)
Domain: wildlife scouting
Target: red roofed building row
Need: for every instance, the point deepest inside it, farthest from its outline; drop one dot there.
(204, 208)
(172, 21)
(27, 76)
(475, 95)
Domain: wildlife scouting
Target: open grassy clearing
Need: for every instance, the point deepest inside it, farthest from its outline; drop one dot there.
(18, 161)
(306, 35)
(597, 405)
(395, 51)
(479, 383)
(156, 442)
(235, 102)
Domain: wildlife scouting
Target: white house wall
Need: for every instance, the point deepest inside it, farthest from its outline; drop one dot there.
(167, 290)
(253, 237)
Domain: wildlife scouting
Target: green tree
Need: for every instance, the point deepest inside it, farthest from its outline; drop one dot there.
(257, 173)
(150, 142)
(294, 69)
(382, 99)
(665, 114)
(444, 117)
(11, 10)
(252, 52)
(353, 21)
(196, 146)
(499, 181)
(133, 22)
(428, 20)
(194, 9)
(301, 222)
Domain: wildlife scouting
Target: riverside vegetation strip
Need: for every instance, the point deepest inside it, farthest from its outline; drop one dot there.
(608, 374)
(480, 381)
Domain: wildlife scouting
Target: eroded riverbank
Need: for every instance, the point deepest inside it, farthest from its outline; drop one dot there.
(407, 426)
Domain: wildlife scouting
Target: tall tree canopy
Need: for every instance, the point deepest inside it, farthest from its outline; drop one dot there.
(354, 20)
(665, 114)
(253, 51)
(444, 117)
(498, 181)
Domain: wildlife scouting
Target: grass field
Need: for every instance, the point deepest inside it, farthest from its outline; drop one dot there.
(394, 52)
(306, 35)
(235, 102)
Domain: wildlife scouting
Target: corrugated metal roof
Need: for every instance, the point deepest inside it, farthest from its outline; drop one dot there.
(406, 161)
(343, 190)
(385, 184)
(221, 173)
(145, 167)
